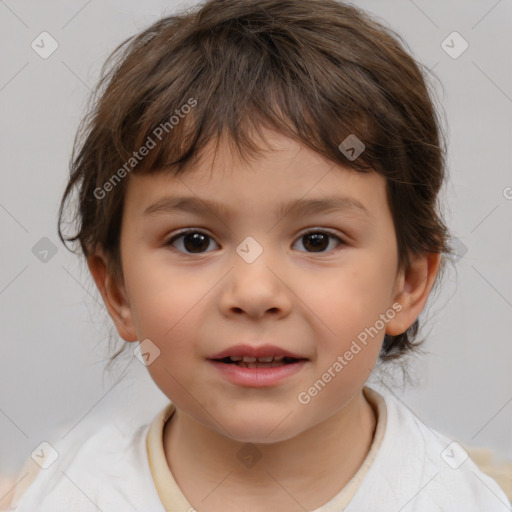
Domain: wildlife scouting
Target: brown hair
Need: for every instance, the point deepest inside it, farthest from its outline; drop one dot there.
(314, 70)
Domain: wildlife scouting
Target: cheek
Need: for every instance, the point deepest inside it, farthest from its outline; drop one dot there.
(162, 299)
(353, 300)
(169, 319)
(350, 308)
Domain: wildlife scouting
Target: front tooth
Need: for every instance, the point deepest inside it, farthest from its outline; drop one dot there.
(265, 359)
(248, 359)
(235, 358)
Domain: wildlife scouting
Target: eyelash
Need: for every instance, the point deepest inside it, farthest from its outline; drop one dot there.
(183, 233)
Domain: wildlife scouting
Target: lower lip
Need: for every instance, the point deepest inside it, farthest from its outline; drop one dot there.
(258, 377)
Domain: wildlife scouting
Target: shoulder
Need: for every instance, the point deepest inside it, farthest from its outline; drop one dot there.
(418, 469)
(101, 467)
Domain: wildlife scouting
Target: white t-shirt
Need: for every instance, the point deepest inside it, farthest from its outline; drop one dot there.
(409, 468)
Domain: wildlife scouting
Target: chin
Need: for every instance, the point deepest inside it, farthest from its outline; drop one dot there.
(260, 428)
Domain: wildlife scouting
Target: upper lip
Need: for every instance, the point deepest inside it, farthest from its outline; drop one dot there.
(250, 351)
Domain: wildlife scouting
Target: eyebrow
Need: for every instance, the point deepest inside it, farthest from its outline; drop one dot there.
(295, 207)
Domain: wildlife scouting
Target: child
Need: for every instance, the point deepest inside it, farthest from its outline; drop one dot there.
(296, 144)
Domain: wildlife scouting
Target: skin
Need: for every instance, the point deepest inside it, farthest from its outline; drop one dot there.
(314, 303)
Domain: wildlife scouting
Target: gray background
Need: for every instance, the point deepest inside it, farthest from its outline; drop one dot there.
(54, 336)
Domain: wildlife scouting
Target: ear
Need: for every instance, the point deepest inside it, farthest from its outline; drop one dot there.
(412, 288)
(114, 296)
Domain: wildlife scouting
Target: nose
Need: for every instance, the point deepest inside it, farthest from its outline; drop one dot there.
(256, 289)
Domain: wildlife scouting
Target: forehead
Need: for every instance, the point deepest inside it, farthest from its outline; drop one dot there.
(285, 176)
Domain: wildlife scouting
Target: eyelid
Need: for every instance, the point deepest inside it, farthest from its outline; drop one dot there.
(186, 231)
(321, 229)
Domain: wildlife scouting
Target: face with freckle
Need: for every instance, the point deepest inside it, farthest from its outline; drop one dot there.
(321, 279)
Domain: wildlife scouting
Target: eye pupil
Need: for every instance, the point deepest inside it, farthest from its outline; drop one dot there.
(199, 242)
(318, 240)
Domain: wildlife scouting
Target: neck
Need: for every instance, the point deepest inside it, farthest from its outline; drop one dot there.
(312, 466)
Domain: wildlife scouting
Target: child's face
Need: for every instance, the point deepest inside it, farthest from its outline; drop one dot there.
(309, 296)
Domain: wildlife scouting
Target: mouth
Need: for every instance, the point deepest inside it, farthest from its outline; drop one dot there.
(263, 371)
(258, 362)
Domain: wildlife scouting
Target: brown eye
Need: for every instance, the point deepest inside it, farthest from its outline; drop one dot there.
(193, 242)
(318, 241)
